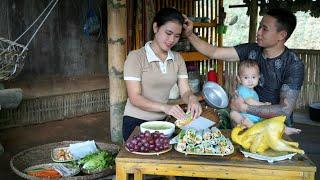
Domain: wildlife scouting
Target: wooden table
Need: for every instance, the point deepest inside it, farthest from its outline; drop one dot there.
(234, 166)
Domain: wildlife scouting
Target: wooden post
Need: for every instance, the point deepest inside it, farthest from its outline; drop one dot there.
(117, 51)
(253, 10)
(221, 15)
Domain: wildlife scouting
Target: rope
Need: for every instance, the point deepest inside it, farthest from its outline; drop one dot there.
(34, 21)
(12, 56)
(34, 34)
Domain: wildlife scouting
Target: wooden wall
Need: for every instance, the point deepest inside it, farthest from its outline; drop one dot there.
(60, 48)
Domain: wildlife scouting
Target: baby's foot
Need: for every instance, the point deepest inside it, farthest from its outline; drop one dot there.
(290, 130)
(246, 122)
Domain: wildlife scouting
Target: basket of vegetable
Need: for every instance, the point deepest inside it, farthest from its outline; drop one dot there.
(93, 166)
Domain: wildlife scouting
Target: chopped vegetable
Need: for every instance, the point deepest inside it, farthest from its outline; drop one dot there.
(48, 173)
(186, 120)
(62, 154)
(97, 161)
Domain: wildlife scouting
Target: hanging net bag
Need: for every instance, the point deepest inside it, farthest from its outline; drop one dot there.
(13, 54)
(11, 58)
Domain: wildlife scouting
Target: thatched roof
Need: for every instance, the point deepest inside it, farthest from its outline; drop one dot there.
(294, 5)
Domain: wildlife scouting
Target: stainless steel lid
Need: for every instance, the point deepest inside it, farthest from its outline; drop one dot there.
(215, 95)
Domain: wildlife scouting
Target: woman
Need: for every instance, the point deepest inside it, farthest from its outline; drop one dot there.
(150, 73)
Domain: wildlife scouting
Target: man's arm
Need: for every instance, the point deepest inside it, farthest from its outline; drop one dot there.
(288, 98)
(209, 50)
(253, 102)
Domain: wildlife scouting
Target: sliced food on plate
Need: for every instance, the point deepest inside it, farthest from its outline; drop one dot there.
(203, 142)
(61, 155)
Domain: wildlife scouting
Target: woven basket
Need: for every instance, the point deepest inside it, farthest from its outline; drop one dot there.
(12, 56)
(42, 155)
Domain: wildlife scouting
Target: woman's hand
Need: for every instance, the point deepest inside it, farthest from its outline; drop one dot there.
(175, 111)
(187, 26)
(194, 107)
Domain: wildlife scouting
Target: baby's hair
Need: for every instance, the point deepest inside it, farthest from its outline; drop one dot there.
(248, 63)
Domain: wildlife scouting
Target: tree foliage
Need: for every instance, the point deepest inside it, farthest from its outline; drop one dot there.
(305, 36)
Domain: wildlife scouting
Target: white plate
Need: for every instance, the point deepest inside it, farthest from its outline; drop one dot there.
(152, 152)
(204, 154)
(55, 158)
(74, 170)
(269, 155)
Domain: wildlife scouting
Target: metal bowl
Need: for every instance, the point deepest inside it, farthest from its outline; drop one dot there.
(215, 95)
(314, 111)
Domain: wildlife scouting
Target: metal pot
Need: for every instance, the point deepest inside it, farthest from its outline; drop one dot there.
(314, 111)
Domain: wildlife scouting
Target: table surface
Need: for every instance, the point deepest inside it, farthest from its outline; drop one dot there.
(299, 163)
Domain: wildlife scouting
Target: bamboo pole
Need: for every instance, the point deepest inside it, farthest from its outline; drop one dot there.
(253, 10)
(117, 37)
(220, 42)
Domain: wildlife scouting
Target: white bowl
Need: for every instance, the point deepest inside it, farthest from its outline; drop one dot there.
(167, 128)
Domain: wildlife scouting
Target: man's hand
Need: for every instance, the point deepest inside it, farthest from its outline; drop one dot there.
(237, 103)
(187, 26)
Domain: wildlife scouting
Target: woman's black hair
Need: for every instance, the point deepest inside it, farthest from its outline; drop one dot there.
(168, 14)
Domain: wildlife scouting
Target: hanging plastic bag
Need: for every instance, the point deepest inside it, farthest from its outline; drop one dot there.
(92, 25)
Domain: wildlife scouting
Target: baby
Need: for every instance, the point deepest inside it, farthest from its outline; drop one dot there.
(248, 78)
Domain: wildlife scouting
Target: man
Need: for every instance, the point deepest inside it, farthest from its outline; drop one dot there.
(281, 70)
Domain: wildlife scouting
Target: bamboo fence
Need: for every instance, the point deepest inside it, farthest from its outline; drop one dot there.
(44, 109)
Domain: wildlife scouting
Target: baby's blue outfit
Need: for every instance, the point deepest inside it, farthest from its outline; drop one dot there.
(247, 93)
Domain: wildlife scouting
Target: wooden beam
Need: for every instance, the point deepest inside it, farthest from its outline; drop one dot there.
(253, 10)
(117, 51)
(193, 56)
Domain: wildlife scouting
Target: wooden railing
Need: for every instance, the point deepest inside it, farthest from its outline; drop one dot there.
(310, 91)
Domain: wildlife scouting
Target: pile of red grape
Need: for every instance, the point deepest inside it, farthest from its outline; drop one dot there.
(148, 142)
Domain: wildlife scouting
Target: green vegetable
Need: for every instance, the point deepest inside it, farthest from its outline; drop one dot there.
(97, 161)
(224, 116)
(181, 134)
(156, 127)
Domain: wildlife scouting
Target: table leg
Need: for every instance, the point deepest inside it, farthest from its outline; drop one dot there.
(121, 172)
(308, 175)
(138, 175)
